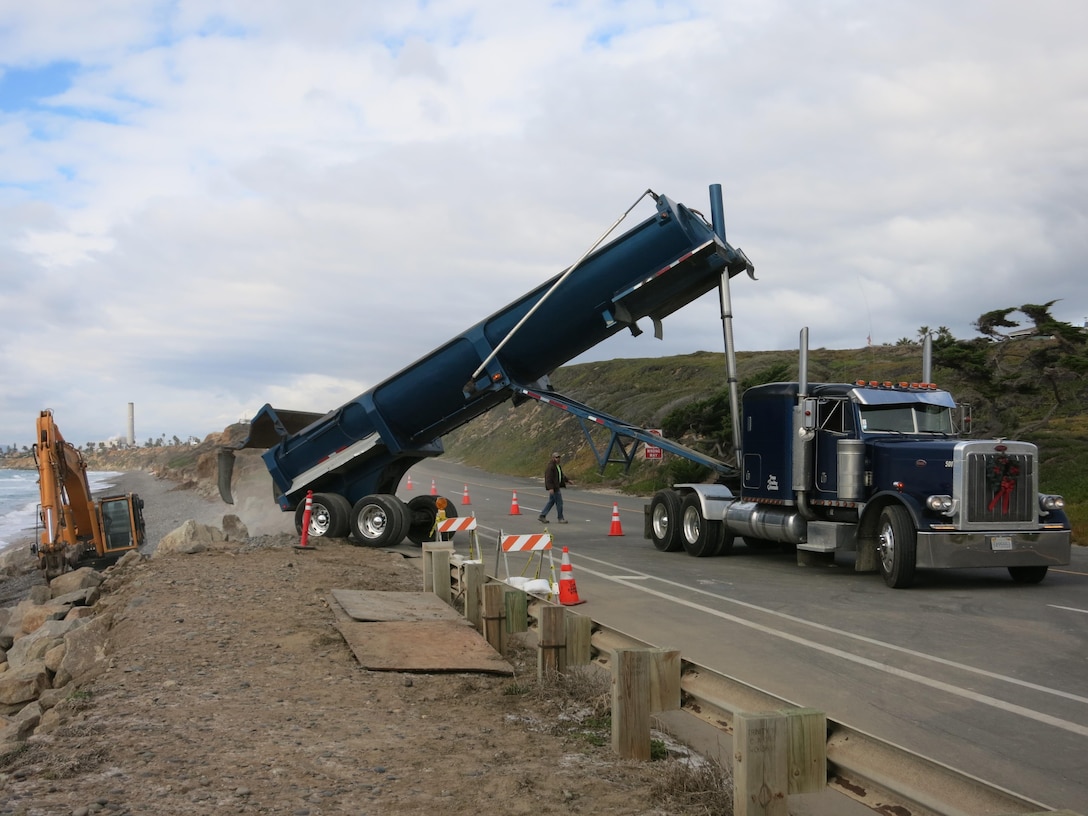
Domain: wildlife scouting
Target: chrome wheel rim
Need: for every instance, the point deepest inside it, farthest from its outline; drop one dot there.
(372, 522)
(320, 520)
(887, 548)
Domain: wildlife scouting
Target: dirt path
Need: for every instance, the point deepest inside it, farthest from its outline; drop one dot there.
(229, 691)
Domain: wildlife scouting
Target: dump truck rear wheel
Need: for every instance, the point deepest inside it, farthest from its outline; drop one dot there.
(896, 547)
(376, 521)
(1028, 575)
(330, 516)
(701, 538)
(665, 520)
(423, 511)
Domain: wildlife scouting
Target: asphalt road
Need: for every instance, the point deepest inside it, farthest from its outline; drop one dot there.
(966, 668)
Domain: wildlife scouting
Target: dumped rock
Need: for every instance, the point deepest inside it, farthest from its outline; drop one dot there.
(234, 529)
(191, 538)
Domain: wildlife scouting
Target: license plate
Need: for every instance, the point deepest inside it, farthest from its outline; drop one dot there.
(1000, 542)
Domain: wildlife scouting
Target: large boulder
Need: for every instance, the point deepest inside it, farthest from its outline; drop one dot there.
(87, 596)
(18, 561)
(190, 538)
(38, 615)
(24, 684)
(82, 578)
(84, 652)
(13, 627)
(33, 646)
(18, 727)
(234, 529)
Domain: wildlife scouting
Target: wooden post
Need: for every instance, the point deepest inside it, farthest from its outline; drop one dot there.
(474, 580)
(631, 703)
(429, 549)
(440, 566)
(807, 750)
(517, 610)
(579, 634)
(760, 764)
(495, 617)
(664, 680)
(551, 653)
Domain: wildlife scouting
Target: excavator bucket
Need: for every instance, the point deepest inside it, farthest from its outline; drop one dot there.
(226, 472)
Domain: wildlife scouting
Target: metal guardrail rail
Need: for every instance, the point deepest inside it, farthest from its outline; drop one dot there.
(884, 776)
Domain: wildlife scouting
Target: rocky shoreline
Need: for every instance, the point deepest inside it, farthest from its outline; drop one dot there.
(167, 505)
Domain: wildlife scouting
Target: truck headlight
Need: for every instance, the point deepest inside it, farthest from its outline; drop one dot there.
(1048, 502)
(945, 505)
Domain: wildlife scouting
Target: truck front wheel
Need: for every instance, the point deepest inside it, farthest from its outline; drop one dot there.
(896, 547)
(1028, 575)
(377, 522)
(330, 516)
(665, 520)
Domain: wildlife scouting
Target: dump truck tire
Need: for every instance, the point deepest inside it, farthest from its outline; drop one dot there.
(330, 516)
(376, 521)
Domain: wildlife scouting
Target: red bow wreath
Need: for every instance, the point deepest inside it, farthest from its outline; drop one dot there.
(1002, 479)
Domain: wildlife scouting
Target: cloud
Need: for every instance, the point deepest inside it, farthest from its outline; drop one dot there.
(212, 206)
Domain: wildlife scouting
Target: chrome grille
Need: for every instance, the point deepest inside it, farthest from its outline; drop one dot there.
(1000, 487)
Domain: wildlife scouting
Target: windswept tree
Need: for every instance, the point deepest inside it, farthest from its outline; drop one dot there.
(1055, 359)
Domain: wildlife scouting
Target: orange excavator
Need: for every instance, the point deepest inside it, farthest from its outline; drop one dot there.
(73, 526)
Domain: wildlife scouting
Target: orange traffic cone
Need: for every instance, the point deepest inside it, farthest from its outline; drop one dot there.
(568, 590)
(408, 484)
(615, 529)
(464, 497)
(514, 509)
(307, 512)
(434, 489)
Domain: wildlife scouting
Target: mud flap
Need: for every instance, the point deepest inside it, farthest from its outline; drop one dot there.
(226, 471)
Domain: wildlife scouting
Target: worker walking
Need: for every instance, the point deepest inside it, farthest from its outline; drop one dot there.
(554, 482)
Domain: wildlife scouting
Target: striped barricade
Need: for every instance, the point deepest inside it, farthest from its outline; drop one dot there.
(461, 524)
(457, 525)
(536, 544)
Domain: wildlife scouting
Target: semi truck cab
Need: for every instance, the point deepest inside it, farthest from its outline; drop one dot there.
(877, 469)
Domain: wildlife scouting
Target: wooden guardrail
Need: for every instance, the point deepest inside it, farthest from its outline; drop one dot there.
(875, 772)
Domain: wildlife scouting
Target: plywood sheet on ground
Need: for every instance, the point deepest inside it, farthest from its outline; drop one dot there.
(422, 646)
(377, 605)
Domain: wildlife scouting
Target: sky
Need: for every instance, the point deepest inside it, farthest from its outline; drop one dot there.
(209, 206)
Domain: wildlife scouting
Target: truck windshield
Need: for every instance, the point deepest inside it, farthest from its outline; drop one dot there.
(915, 418)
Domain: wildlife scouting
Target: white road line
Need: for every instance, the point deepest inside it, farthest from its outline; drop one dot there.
(1068, 608)
(884, 667)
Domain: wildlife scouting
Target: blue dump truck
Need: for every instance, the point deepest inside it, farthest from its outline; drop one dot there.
(876, 469)
(354, 457)
(879, 471)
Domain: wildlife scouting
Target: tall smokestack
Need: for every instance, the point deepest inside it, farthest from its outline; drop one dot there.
(131, 425)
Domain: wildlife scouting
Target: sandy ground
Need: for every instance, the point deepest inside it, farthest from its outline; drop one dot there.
(230, 691)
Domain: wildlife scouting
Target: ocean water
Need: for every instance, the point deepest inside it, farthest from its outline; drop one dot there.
(19, 502)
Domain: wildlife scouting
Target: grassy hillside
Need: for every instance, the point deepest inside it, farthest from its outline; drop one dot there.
(673, 391)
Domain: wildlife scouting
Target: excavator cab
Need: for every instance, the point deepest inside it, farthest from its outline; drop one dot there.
(122, 523)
